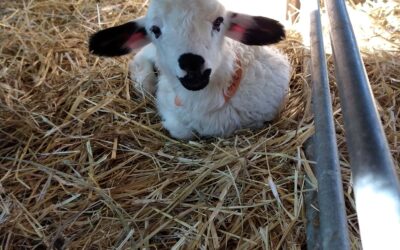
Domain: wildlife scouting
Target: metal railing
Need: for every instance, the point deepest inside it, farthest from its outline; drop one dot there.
(332, 215)
(375, 181)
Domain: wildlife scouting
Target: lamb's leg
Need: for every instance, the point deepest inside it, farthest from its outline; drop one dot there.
(176, 128)
(142, 70)
(169, 112)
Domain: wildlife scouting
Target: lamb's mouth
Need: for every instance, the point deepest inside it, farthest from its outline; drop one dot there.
(196, 81)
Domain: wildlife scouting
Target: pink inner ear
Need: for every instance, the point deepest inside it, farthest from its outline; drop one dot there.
(237, 28)
(135, 41)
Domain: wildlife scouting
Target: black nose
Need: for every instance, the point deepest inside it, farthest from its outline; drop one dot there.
(191, 63)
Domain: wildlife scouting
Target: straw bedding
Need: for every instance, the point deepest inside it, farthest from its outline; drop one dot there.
(85, 163)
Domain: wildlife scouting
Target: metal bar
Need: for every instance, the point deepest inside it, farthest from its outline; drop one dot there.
(312, 225)
(375, 180)
(332, 212)
(313, 231)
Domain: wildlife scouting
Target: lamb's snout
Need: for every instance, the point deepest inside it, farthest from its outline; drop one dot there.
(191, 63)
(196, 77)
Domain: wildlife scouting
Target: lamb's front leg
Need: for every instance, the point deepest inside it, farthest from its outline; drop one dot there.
(176, 128)
(170, 113)
(142, 70)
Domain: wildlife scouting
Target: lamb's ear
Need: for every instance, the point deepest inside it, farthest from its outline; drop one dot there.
(254, 30)
(119, 40)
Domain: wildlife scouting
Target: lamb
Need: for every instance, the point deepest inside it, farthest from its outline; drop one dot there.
(214, 74)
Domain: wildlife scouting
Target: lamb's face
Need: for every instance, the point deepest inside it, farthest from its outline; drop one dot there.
(188, 35)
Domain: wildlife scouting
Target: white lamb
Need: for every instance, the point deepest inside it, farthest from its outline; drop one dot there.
(206, 83)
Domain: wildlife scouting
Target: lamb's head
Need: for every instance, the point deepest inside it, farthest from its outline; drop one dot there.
(189, 37)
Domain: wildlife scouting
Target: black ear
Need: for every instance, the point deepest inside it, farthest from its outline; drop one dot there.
(119, 40)
(254, 30)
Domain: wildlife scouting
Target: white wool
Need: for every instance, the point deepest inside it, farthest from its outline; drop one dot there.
(259, 98)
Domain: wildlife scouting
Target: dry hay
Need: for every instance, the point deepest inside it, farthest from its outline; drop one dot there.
(85, 163)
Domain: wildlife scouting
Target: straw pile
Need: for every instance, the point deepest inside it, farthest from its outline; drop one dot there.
(85, 163)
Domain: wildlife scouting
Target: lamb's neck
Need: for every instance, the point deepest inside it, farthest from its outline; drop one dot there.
(222, 77)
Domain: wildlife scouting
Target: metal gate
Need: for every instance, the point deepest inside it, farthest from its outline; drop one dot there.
(375, 182)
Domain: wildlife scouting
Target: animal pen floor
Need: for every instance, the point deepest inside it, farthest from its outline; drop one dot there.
(85, 163)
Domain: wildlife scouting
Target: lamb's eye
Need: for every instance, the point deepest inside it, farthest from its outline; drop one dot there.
(156, 31)
(217, 23)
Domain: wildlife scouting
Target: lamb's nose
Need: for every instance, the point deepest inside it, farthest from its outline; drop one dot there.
(191, 63)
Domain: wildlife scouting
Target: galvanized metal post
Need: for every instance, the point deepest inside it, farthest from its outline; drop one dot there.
(375, 180)
(313, 231)
(332, 213)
